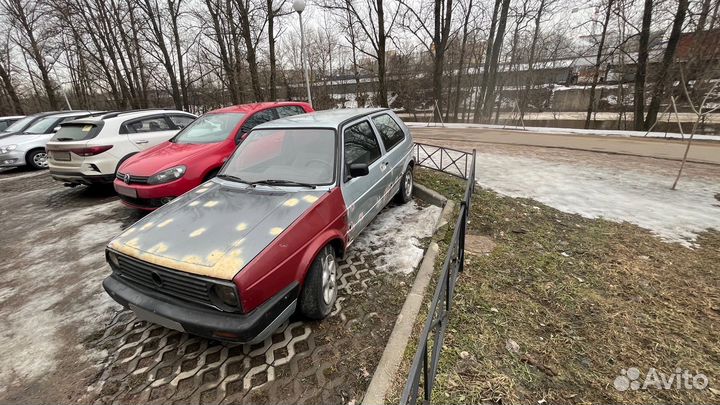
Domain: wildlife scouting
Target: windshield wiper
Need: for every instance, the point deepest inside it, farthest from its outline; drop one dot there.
(65, 139)
(275, 182)
(232, 178)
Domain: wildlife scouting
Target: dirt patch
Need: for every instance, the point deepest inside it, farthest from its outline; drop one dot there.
(560, 310)
(479, 244)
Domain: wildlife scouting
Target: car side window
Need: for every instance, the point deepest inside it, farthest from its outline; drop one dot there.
(289, 110)
(153, 124)
(4, 124)
(181, 121)
(361, 145)
(257, 119)
(390, 132)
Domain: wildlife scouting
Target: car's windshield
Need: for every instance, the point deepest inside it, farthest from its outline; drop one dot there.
(284, 156)
(42, 125)
(209, 128)
(19, 125)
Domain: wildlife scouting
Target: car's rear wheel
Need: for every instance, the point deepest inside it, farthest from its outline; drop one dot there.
(406, 187)
(37, 159)
(320, 289)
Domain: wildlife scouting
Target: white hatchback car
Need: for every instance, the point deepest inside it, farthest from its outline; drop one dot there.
(89, 151)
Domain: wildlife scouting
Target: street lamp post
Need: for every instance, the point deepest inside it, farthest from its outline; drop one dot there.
(299, 7)
(51, 62)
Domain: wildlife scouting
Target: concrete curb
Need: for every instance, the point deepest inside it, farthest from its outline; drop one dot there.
(429, 195)
(402, 331)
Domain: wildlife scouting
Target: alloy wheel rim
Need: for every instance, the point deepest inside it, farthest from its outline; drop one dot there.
(329, 279)
(408, 183)
(40, 159)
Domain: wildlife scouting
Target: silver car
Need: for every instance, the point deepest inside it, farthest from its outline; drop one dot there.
(28, 147)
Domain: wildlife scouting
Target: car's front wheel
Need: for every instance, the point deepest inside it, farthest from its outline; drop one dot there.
(320, 289)
(406, 187)
(37, 159)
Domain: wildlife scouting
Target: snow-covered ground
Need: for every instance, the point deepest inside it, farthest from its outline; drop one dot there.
(614, 192)
(570, 131)
(394, 236)
(54, 285)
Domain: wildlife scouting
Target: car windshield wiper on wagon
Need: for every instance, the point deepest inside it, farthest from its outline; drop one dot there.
(276, 182)
(232, 178)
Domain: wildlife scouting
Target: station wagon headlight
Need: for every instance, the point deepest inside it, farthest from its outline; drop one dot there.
(7, 148)
(113, 259)
(224, 295)
(167, 175)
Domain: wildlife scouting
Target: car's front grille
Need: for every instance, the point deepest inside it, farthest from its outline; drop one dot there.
(165, 281)
(130, 179)
(142, 202)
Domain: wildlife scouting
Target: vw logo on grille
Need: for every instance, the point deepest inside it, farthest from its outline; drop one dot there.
(127, 178)
(157, 279)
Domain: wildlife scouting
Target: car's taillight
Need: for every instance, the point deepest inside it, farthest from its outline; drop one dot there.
(90, 150)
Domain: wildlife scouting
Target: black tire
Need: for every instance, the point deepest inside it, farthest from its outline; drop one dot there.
(313, 299)
(406, 187)
(35, 158)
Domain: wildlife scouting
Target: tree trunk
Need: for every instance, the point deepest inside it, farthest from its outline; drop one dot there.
(668, 59)
(598, 63)
(382, 38)
(271, 49)
(480, 99)
(8, 86)
(250, 52)
(489, 98)
(642, 66)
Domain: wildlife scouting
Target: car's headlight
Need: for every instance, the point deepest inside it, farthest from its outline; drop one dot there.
(7, 148)
(167, 176)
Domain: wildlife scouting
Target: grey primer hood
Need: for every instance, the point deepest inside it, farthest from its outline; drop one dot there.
(214, 230)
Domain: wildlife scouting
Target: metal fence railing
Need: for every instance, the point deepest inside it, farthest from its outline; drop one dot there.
(425, 362)
(450, 161)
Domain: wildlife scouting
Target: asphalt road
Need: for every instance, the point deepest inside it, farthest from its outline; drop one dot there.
(701, 151)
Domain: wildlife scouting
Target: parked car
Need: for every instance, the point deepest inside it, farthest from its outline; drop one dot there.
(9, 120)
(24, 123)
(28, 147)
(90, 150)
(235, 257)
(152, 178)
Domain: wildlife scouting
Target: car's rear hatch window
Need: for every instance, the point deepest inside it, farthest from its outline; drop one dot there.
(76, 131)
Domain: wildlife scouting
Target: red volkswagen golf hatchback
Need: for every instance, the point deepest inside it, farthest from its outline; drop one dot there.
(156, 176)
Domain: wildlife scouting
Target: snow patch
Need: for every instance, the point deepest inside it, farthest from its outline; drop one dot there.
(573, 131)
(394, 235)
(31, 328)
(618, 194)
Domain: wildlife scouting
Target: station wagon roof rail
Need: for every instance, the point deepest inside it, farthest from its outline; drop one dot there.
(322, 119)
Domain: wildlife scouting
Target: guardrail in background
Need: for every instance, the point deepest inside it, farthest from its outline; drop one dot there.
(451, 161)
(425, 361)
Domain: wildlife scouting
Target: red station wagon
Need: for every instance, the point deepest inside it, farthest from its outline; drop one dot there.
(156, 176)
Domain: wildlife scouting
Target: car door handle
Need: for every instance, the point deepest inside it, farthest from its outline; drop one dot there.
(142, 141)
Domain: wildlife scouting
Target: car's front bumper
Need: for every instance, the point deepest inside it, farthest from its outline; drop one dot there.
(15, 158)
(252, 327)
(81, 178)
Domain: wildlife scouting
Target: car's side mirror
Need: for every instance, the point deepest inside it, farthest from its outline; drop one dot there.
(359, 170)
(57, 128)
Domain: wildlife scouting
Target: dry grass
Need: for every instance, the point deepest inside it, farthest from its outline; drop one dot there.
(582, 299)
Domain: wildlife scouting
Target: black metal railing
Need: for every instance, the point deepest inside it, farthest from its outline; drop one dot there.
(451, 161)
(425, 362)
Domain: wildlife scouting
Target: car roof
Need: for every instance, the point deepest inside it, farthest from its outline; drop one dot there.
(12, 117)
(323, 119)
(62, 114)
(252, 107)
(123, 115)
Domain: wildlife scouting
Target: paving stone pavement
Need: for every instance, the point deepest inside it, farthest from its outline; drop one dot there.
(300, 363)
